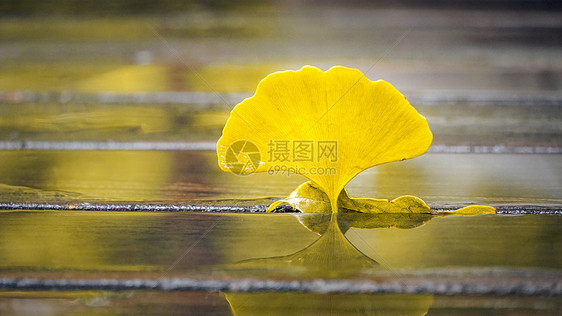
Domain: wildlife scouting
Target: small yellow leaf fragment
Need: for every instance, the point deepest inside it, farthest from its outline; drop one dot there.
(403, 204)
(471, 210)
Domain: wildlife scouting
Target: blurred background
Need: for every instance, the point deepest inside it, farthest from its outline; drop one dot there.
(162, 77)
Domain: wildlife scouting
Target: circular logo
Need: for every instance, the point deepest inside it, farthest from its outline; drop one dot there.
(243, 157)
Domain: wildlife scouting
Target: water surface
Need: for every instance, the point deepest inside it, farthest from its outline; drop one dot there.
(457, 179)
(52, 245)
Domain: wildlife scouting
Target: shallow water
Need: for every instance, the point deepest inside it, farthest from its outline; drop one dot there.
(107, 242)
(124, 246)
(457, 179)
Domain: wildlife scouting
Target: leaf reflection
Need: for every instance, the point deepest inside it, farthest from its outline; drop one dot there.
(330, 256)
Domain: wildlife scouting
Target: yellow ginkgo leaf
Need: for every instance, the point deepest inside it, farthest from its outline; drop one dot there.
(328, 126)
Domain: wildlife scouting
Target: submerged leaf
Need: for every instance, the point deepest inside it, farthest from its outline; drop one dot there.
(328, 126)
(309, 198)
